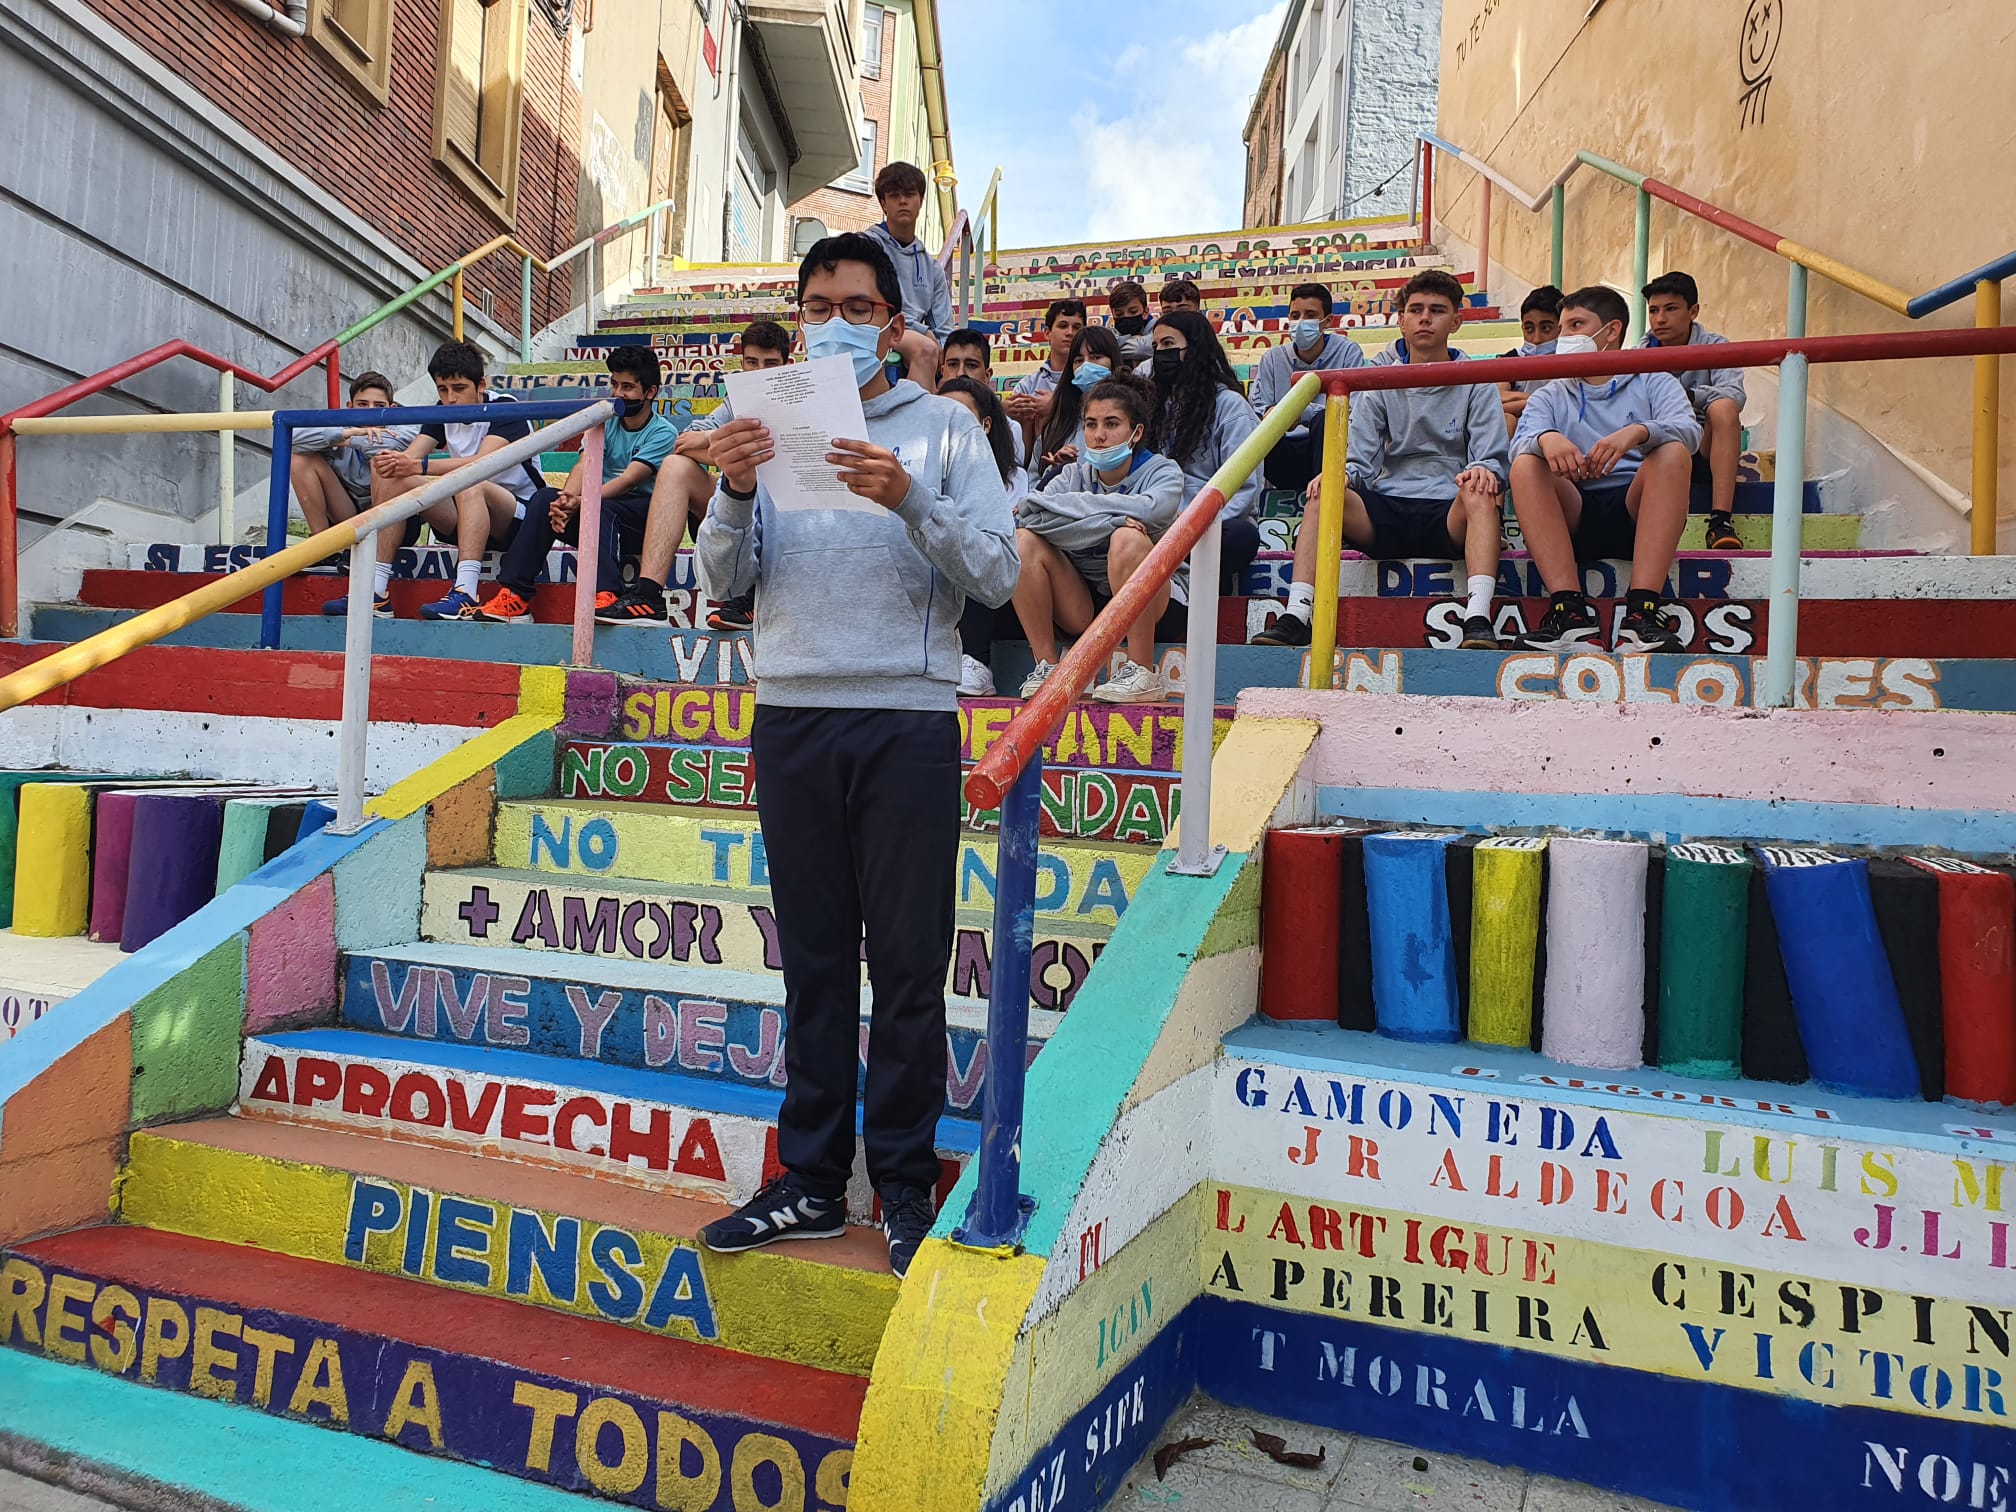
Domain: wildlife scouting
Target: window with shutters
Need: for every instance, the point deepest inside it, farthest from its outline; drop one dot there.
(871, 42)
(479, 98)
(356, 37)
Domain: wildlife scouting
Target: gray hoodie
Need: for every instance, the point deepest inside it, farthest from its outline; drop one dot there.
(351, 460)
(1707, 383)
(1232, 424)
(1411, 443)
(860, 610)
(927, 298)
(1077, 512)
(1282, 365)
(1585, 415)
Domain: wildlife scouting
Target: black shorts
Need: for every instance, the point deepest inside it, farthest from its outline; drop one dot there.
(1409, 527)
(1606, 529)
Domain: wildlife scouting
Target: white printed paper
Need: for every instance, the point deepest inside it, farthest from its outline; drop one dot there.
(807, 406)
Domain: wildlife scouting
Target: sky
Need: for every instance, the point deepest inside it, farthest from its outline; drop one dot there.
(1109, 119)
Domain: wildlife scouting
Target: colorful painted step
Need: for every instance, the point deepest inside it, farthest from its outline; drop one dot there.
(40, 974)
(465, 1377)
(707, 1138)
(557, 1240)
(715, 1027)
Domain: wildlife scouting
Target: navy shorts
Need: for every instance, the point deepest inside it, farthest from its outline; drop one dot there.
(1606, 529)
(1409, 527)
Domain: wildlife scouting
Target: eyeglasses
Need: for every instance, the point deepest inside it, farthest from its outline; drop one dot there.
(858, 311)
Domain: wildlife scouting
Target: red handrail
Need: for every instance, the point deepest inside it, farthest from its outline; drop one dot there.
(1027, 733)
(97, 383)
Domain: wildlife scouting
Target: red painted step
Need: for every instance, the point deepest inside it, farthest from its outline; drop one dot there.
(701, 1376)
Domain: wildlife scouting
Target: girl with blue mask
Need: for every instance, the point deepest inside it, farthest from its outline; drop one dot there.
(1095, 357)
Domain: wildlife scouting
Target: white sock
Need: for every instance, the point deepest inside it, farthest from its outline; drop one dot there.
(1481, 589)
(467, 574)
(382, 578)
(1302, 600)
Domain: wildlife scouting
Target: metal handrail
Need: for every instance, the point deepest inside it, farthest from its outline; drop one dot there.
(1985, 283)
(571, 418)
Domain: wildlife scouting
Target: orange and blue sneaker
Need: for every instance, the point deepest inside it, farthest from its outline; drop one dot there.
(505, 607)
(452, 606)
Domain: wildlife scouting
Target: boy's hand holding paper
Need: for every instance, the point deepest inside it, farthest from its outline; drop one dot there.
(789, 422)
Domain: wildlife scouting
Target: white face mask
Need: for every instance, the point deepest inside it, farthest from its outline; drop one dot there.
(1575, 346)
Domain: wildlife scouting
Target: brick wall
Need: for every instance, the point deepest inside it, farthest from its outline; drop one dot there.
(378, 161)
(1263, 148)
(840, 209)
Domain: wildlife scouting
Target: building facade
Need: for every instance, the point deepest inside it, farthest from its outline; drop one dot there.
(1358, 81)
(1262, 136)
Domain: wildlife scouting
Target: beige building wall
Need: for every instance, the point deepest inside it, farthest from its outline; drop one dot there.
(1879, 133)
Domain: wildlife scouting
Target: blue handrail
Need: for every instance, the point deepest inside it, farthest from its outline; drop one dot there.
(1961, 287)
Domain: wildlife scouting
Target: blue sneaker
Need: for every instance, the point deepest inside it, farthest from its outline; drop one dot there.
(455, 606)
(381, 606)
(781, 1210)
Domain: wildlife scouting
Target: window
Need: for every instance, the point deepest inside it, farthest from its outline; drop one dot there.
(479, 98)
(862, 179)
(871, 42)
(356, 36)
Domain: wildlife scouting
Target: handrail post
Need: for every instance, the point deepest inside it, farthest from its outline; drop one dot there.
(1557, 262)
(525, 309)
(10, 566)
(1788, 504)
(456, 296)
(1484, 238)
(1987, 422)
(588, 547)
(227, 458)
(276, 530)
(332, 369)
(999, 1212)
(1196, 856)
(1427, 193)
(1329, 540)
(352, 758)
(1641, 266)
(588, 313)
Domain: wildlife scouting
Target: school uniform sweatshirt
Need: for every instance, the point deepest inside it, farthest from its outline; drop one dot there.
(1411, 443)
(1231, 424)
(1707, 383)
(927, 298)
(860, 609)
(1281, 365)
(1586, 414)
(1076, 512)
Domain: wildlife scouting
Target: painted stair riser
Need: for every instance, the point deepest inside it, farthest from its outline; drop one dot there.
(634, 1448)
(631, 1129)
(786, 1303)
(702, 928)
(1097, 804)
(678, 1034)
(1079, 883)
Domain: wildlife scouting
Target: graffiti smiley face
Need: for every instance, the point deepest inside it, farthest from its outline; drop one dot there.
(1763, 27)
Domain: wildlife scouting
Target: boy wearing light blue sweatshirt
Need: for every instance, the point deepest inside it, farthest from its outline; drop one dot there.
(927, 297)
(1427, 470)
(1600, 469)
(1312, 347)
(1673, 318)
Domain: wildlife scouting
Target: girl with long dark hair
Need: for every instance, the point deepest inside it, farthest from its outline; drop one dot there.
(1205, 417)
(976, 625)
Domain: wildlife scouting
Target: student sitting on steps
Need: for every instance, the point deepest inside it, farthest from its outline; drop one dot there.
(475, 518)
(927, 298)
(680, 493)
(1539, 323)
(331, 465)
(1094, 357)
(977, 624)
(1083, 535)
(1427, 469)
(1310, 346)
(1180, 294)
(1127, 302)
(1205, 417)
(635, 442)
(1599, 469)
(1673, 318)
(1029, 405)
(970, 354)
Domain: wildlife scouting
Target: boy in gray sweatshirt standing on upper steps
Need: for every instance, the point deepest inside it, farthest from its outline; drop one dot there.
(1427, 470)
(927, 297)
(1600, 469)
(857, 736)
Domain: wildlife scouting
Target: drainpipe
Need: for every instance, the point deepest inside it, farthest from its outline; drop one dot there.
(289, 18)
(925, 13)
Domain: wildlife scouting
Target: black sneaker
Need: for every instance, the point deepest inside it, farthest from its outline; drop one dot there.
(733, 614)
(634, 606)
(1721, 534)
(1478, 634)
(1287, 630)
(907, 1216)
(1646, 630)
(1567, 627)
(782, 1210)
